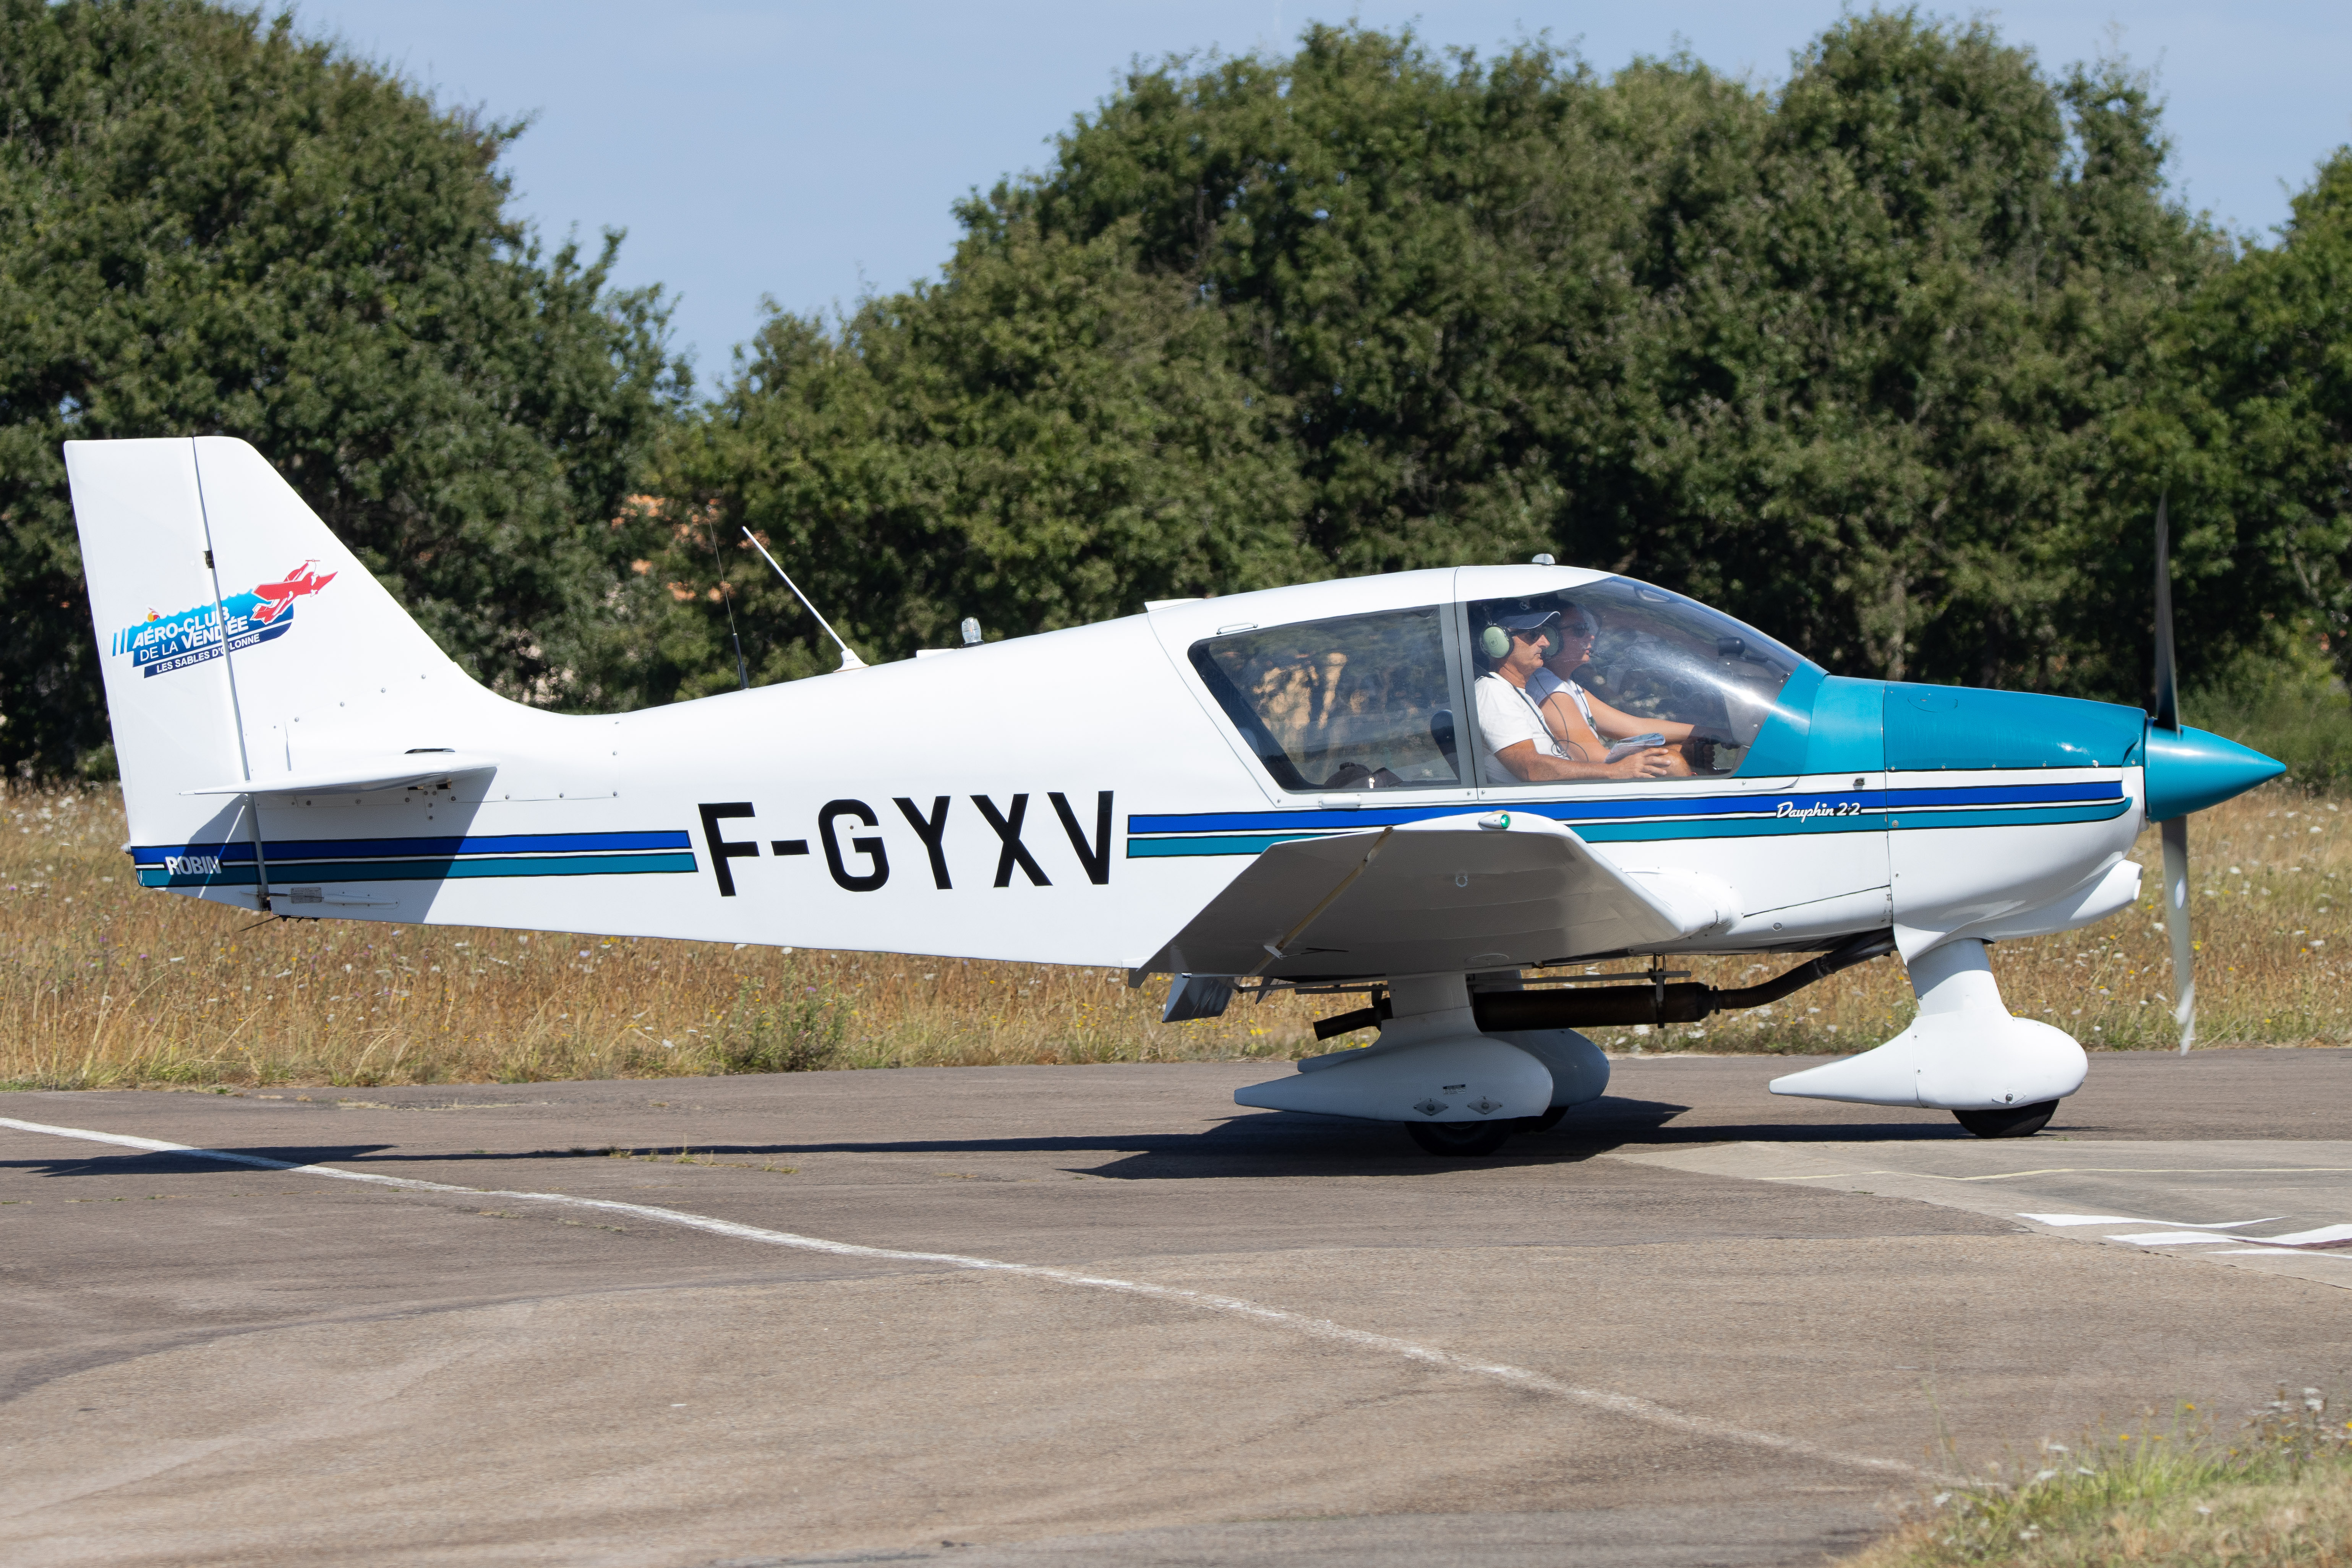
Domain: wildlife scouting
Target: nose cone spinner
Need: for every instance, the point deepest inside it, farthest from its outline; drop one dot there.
(2188, 770)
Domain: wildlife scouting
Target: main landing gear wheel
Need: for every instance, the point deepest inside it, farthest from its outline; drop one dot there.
(2009, 1120)
(1461, 1139)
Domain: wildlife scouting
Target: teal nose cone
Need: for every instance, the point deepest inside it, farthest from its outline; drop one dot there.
(2193, 769)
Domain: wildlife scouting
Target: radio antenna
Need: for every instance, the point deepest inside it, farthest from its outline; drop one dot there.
(849, 659)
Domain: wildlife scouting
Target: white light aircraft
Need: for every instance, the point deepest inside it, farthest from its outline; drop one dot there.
(1421, 790)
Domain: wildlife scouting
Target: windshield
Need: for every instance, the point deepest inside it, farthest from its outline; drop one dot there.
(1625, 656)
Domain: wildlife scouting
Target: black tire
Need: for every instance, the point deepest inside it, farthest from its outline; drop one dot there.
(1461, 1139)
(2009, 1120)
(1549, 1119)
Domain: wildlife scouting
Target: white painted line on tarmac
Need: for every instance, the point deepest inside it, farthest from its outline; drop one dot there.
(1624, 1404)
(2325, 1236)
(2192, 1233)
(2071, 1171)
(2131, 1219)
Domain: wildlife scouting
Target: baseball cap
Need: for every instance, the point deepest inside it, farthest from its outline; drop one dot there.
(1526, 620)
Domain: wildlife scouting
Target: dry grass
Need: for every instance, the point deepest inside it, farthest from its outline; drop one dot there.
(104, 985)
(2273, 1493)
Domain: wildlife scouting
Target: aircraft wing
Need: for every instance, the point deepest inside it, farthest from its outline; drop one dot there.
(1453, 893)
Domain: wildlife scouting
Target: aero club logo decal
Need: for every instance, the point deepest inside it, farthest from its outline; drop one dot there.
(161, 644)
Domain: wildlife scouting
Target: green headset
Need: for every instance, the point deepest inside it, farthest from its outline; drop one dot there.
(1495, 641)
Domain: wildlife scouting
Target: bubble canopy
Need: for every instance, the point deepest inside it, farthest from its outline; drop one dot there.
(1384, 700)
(1659, 656)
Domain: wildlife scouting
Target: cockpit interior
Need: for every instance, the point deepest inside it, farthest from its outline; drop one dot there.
(1613, 682)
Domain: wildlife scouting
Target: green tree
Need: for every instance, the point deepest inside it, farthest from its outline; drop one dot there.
(1424, 259)
(1259, 325)
(1889, 376)
(1849, 359)
(209, 225)
(1048, 438)
(2252, 436)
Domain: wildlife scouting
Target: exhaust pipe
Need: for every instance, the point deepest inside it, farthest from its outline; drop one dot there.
(1578, 1007)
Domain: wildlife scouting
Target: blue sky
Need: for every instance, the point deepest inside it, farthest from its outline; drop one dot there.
(809, 154)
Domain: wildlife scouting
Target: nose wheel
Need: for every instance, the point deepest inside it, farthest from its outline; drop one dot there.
(2009, 1121)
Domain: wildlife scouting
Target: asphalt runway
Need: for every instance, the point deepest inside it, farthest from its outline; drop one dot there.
(1036, 1316)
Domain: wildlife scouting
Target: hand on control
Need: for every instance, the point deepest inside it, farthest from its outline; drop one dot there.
(1655, 762)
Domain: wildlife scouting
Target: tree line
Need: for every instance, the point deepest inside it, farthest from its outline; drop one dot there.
(1893, 360)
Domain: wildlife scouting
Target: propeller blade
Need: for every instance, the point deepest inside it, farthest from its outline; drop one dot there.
(2175, 925)
(2166, 712)
(2166, 715)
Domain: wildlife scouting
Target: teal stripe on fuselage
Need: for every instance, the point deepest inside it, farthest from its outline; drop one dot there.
(1913, 818)
(226, 877)
(1867, 822)
(1215, 844)
(1590, 832)
(1651, 830)
(427, 871)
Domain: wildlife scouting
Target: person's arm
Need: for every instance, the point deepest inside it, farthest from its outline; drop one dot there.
(1527, 763)
(1567, 725)
(1511, 730)
(1590, 750)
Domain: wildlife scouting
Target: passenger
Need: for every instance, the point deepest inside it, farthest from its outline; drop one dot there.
(1581, 721)
(1511, 720)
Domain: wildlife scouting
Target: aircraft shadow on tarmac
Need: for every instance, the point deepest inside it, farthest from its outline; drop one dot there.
(1264, 1144)
(1284, 1144)
(164, 1164)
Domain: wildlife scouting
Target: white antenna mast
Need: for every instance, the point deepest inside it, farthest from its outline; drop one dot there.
(849, 660)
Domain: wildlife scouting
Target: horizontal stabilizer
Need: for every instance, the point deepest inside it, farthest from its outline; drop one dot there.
(390, 773)
(1455, 893)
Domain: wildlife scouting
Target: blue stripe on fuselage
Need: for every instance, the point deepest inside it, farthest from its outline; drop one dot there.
(438, 870)
(1661, 817)
(1766, 805)
(413, 848)
(2004, 794)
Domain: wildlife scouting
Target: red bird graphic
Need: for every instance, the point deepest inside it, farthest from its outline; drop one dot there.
(278, 598)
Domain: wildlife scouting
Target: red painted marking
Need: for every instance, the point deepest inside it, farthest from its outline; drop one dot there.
(277, 597)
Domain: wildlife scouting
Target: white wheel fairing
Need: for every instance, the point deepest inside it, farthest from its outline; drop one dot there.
(1579, 1069)
(1953, 1062)
(1964, 1052)
(1464, 1078)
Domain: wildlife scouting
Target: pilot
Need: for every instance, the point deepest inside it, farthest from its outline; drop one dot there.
(1511, 719)
(1582, 721)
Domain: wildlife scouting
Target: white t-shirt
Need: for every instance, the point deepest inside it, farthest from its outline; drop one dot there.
(1506, 716)
(1543, 683)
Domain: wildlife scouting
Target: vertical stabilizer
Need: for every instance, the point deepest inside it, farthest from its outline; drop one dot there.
(240, 639)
